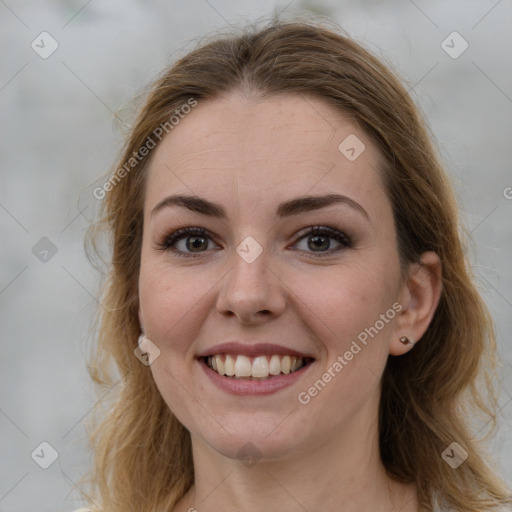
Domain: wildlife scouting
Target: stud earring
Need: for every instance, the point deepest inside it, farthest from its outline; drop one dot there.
(406, 341)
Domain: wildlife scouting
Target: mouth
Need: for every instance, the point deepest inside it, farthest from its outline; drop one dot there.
(258, 368)
(253, 369)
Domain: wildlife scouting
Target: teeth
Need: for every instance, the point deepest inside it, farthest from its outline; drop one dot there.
(275, 365)
(286, 364)
(229, 366)
(260, 367)
(221, 368)
(243, 366)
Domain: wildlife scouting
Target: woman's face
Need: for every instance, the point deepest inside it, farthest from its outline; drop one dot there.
(256, 287)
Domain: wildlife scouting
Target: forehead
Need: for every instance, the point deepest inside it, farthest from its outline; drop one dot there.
(263, 148)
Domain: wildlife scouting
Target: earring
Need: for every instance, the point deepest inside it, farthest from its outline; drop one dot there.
(406, 341)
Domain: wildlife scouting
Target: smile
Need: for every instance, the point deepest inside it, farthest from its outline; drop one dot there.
(254, 369)
(262, 367)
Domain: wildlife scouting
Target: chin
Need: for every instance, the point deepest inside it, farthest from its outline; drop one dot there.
(250, 449)
(257, 436)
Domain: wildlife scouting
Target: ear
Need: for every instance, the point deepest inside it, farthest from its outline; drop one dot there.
(141, 321)
(419, 297)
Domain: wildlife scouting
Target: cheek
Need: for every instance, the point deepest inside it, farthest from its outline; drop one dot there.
(357, 316)
(352, 310)
(167, 300)
(353, 298)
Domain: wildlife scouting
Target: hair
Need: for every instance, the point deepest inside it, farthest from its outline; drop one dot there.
(142, 453)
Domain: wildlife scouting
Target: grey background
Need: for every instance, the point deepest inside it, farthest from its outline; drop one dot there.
(59, 137)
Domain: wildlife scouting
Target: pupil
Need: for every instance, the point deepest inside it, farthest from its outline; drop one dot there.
(195, 244)
(315, 245)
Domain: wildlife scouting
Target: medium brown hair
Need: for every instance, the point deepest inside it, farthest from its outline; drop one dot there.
(142, 454)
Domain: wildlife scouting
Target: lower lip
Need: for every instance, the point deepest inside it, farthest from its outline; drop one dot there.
(245, 387)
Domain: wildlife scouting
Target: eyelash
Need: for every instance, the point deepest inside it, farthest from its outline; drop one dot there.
(172, 238)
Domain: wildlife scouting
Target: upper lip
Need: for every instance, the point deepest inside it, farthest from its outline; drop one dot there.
(251, 350)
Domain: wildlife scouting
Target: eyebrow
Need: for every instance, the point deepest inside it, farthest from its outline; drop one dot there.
(285, 209)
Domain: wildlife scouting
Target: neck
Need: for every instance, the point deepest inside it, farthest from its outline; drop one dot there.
(343, 473)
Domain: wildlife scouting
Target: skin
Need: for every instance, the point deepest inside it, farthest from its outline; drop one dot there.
(248, 155)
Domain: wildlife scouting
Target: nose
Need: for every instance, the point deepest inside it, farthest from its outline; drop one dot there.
(251, 290)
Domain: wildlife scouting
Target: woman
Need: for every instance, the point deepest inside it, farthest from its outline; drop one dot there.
(289, 304)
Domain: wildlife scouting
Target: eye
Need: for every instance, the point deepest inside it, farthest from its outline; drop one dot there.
(317, 238)
(196, 241)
